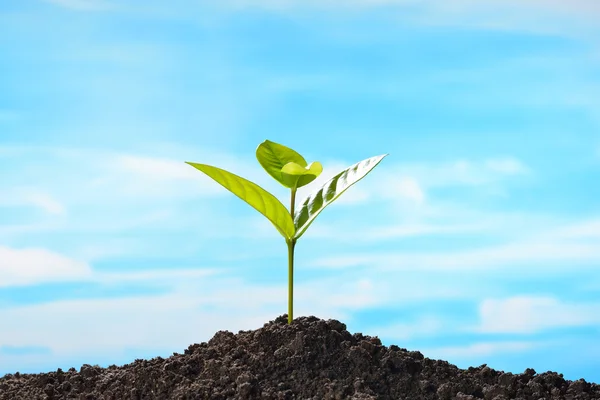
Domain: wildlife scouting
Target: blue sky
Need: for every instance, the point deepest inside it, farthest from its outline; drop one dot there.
(477, 240)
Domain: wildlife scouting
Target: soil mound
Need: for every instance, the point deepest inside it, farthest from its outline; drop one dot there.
(309, 359)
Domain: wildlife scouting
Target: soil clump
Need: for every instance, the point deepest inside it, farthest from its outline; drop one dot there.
(311, 359)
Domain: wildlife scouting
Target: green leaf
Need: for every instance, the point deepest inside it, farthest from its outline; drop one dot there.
(263, 201)
(274, 156)
(297, 176)
(331, 190)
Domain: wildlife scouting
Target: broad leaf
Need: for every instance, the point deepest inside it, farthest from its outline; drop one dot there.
(297, 176)
(331, 190)
(263, 201)
(274, 156)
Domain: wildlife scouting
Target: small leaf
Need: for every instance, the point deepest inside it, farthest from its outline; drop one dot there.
(331, 190)
(274, 156)
(296, 176)
(263, 201)
(292, 168)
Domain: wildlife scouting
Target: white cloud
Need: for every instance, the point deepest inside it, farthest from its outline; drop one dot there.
(479, 349)
(573, 19)
(573, 7)
(530, 314)
(584, 230)
(170, 276)
(156, 168)
(411, 230)
(21, 195)
(29, 266)
(544, 249)
(503, 257)
(152, 178)
(158, 177)
(404, 188)
(332, 231)
(357, 294)
(509, 166)
(423, 326)
(71, 326)
(577, 17)
(45, 202)
(417, 178)
(32, 266)
(114, 191)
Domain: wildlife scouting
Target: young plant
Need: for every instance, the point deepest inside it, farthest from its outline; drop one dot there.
(291, 170)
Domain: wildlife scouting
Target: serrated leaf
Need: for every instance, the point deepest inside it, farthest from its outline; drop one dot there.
(274, 156)
(331, 190)
(257, 197)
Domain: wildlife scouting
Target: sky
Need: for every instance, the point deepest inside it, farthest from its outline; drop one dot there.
(476, 241)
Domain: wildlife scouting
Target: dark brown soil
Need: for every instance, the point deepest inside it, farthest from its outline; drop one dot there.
(309, 359)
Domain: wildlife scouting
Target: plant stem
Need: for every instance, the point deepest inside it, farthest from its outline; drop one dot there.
(291, 244)
(292, 206)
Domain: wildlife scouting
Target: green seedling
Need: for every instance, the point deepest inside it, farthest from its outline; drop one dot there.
(290, 169)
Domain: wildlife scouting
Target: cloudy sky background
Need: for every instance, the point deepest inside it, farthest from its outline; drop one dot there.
(477, 240)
